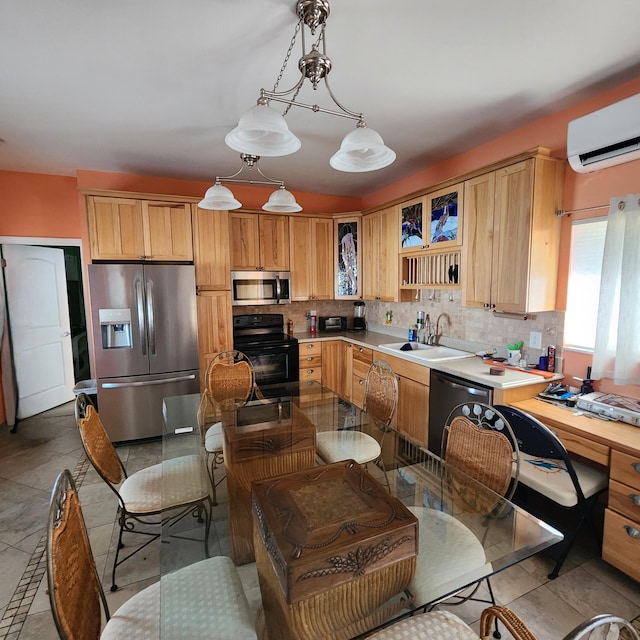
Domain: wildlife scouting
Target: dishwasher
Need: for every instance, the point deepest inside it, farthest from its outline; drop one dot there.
(446, 393)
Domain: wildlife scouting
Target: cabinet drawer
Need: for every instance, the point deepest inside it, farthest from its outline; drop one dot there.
(362, 354)
(310, 360)
(621, 544)
(306, 348)
(360, 369)
(624, 500)
(406, 369)
(626, 469)
(594, 451)
(310, 373)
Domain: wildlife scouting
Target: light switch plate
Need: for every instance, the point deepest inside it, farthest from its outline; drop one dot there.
(535, 340)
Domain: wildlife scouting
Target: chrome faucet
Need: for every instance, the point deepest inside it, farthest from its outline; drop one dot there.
(438, 333)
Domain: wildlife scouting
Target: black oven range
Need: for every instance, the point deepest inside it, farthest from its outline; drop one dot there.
(273, 353)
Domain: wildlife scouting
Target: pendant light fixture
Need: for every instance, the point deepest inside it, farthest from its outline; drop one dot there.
(263, 131)
(220, 198)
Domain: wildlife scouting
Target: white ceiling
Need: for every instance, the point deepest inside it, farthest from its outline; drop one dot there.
(152, 87)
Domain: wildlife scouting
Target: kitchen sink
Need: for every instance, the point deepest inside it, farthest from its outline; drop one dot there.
(424, 353)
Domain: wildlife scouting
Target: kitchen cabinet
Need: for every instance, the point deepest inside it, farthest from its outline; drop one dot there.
(215, 326)
(336, 366)
(138, 229)
(380, 255)
(511, 236)
(412, 416)
(310, 361)
(311, 258)
(212, 253)
(361, 359)
(259, 242)
(621, 540)
(433, 221)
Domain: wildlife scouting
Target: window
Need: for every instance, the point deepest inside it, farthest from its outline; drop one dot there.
(583, 289)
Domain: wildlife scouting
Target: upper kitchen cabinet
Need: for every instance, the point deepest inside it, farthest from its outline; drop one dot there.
(432, 222)
(259, 242)
(137, 229)
(212, 253)
(311, 258)
(349, 250)
(380, 255)
(512, 234)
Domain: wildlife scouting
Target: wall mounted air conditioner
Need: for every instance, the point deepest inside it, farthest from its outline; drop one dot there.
(605, 137)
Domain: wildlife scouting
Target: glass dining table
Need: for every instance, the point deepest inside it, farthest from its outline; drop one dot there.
(465, 532)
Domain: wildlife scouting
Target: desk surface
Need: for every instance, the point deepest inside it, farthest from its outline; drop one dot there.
(454, 511)
(616, 435)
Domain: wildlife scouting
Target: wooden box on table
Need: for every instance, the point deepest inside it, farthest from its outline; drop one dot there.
(332, 546)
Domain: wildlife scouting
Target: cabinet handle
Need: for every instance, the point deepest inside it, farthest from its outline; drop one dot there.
(310, 345)
(360, 381)
(636, 466)
(632, 532)
(361, 350)
(309, 358)
(635, 498)
(309, 370)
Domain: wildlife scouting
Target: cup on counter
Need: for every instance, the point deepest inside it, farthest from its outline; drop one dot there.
(514, 358)
(543, 363)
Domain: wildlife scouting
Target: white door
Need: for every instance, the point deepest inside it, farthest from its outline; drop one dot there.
(40, 327)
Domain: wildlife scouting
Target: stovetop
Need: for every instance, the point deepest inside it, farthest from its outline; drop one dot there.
(260, 328)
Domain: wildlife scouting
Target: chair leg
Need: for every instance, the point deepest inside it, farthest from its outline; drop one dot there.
(210, 467)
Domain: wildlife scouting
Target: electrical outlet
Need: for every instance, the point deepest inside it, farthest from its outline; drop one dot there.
(535, 340)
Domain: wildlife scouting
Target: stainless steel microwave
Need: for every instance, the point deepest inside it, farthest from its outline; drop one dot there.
(260, 287)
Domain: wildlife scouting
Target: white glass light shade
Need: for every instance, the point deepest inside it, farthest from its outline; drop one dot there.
(262, 131)
(219, 198)
(362, 150)
(282, 201)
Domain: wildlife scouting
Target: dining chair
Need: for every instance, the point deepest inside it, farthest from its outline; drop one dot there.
(78, 600)
(171, 489)
(229, 382)
(549, 471)
(477, 440)
(380, 403)
(438, 625)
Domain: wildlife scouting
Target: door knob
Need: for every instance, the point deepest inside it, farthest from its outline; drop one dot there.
(66, 334)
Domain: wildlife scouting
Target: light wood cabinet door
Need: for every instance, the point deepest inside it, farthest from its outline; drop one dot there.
(336, 369)
(212, 251)
(131, 229)
(380, 255)
(259, 242)
(511, 237)
(167, 231)
(412, 416)
(311, 258)
(215, 325)
(115, 228)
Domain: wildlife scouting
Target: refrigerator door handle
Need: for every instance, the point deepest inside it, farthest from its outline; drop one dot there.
(150, 318)
(123, 385)
(141, 328)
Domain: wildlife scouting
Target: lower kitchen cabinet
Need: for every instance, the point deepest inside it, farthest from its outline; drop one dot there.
(361, 359)
(336, 367)
(310, 361)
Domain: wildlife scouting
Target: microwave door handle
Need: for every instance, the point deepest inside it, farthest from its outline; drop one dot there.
(140, 308)
(278, 290)
(150, 318)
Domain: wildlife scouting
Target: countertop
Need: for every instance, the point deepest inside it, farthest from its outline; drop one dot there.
(472, 369)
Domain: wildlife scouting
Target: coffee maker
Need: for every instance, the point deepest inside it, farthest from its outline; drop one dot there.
(359, 323)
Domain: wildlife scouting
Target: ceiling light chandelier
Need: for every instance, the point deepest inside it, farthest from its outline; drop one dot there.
(220, 198)
(263, 131)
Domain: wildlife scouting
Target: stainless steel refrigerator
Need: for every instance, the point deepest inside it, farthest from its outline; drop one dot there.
(145, 343)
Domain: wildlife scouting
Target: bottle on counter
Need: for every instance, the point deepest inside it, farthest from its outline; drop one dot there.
(313, 323)
(290, 326)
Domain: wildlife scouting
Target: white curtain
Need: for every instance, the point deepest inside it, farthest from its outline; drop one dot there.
(617, 349)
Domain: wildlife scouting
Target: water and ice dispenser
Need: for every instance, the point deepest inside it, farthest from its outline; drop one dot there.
(115, 325)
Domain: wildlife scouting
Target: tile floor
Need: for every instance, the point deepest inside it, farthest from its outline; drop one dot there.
(45, 444)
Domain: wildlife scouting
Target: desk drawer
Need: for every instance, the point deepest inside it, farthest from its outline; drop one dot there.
(626, 469)
(620, 548)
(581, 446)
(625, 500)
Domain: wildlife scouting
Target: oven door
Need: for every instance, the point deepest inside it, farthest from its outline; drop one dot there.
(272, 363)
(260, 287)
